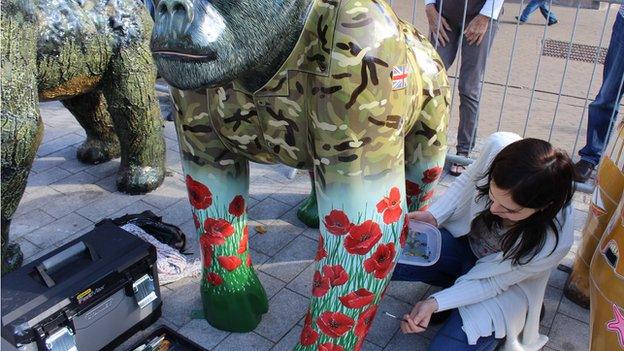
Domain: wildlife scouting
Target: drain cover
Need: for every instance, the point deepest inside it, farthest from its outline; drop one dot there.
(578, 52)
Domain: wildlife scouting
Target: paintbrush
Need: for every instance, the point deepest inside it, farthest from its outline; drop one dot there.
(401, 319)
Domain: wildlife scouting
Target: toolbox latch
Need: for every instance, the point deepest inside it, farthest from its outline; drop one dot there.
(144, 290)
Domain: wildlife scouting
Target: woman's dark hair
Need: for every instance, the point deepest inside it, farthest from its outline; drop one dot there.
(537, 176)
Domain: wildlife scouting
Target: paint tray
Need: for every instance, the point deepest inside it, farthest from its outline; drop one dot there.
(422, 246)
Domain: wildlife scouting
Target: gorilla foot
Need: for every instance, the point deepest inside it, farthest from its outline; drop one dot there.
(308, 211)
(230, 307)
(94, 151)
(12, 258)
(139, 180)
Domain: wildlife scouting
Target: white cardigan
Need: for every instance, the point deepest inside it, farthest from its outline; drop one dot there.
(496, 296)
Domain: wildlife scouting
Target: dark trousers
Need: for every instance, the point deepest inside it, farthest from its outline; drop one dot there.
(473, 59)
(456, 258)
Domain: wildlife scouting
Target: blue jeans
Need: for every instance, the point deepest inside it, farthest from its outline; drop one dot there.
(603, 111)
(544, 7)
(456, 258)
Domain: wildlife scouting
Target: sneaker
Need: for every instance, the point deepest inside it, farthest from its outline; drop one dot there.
(583, 170)
(519, 20)
(553, 23)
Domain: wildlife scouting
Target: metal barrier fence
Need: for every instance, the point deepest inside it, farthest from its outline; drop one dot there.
(538, 79)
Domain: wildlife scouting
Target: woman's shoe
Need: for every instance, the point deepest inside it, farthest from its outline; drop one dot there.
(456, 169)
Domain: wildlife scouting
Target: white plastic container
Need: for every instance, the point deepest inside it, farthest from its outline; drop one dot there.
(422, 246)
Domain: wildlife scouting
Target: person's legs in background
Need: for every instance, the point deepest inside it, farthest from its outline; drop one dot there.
(603, 111)
(546, 11)
(529, 9)
(451, 337)
(473, 61)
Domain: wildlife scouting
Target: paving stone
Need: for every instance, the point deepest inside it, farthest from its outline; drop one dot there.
(36, 199)
(288, 341)
(271, 285)
(74, 182)
(173, 162)
(105, 169)
(369, 346)
(29, 250)
(302, 284)
(312, 233)
(384, 327)
(199, 331)
(412, 342)
(558, 278)
(179, 303)
(247, 341)
(171, 191)
(551, 304)
(47, 177)
(134, 208)
(268, 210)
(58, 230)
(292, 260)
(28, 222)
(573, 310)
(291, 217)
(278, 235)
(568, 260)
(75, 199)
(177, 213)
(580, 217)
(59, 144)
(409, 292)
(72, 164)
(285, 309)
(262, 187)
(568, 334)
(107, 205)
(258, 258)
(108, 183)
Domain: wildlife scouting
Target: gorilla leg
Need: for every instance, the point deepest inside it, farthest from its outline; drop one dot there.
(131, 98)
(91, 111)
(218, 185)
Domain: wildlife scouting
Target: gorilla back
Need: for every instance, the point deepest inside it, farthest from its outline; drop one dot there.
(94, 56)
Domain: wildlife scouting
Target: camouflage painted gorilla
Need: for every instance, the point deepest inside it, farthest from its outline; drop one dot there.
(94, 56)
(341, 87)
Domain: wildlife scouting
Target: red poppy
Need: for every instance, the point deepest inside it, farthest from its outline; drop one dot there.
(362, 238)
(424, 208)
(411, 188)
(242, 247)
(365, 320)
(391, 206)
(337, 222)
(334, 324)
(404, 232)
(207, 255)
(199, 194)
(230, 263)
(308, 336)
(427, 196)
(196, 221)
(357, 299)
(432, 174)
(320, 251)
(328, 346)
(320, 285)
(214, 279)
(248, 260)
(216, 230)
(336, 274)
(359, 344)
(380, 263)
(237, 206)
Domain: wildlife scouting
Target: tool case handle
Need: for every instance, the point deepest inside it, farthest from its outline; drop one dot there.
(57, 261)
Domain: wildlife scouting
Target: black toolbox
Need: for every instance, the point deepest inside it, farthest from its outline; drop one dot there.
(163, 334)
(88, 295)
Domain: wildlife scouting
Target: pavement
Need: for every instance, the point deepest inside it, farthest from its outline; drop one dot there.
(64, 198)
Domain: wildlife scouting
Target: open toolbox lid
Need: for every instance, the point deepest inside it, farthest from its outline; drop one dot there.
(165, 339)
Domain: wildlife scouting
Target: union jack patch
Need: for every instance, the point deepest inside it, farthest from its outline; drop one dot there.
(399, 77)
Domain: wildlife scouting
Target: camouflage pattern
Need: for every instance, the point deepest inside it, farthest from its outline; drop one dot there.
(337, 106)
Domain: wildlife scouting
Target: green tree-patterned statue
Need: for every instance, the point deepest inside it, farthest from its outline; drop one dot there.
(94, 56)
(340, 87)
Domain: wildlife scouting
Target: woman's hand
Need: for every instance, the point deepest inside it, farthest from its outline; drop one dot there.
(423, 216)
(418, 320)
(475, 31)
(435, 27)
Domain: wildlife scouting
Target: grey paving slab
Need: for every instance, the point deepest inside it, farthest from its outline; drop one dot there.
(268, 210)
(107, 205)
(302, 284)
(271, 285)
(403, 342)
(47, 236)
(171, 191)
(568, 334)
(56, 159)
(384, 327)
(29, 250)
(180, 300)
(71, 163)
(258, 258)
(558, 278)
(59, 144)
(199, 331)
(34, 199)
(291, 217)
(409, 292)
(573, 310)
(74, 181)
(287, 342)
(105, 169)
(285, 309)
(28, 222)
(292, 260)
(278, 235)
(78, 198)
(246, 341)
(135, 207)
(552, 299)
(47, 177)
(177, 213)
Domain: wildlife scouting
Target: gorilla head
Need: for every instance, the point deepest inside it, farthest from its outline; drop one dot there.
(207, 43)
